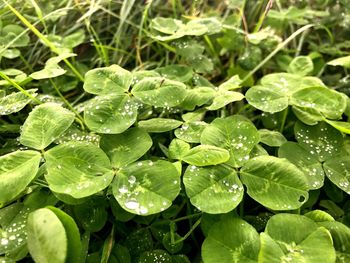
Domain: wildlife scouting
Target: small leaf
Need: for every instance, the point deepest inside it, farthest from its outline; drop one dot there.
(308, 116)
(218, 183)
(176, 72)
(342, 61)
(275, 183)
(271, 138)
(77, 169)
(223, 98)
(107, 80)
(17, 170)
(159, 92)
(127, 147)
(223, 246)
(47, 239)
(111, 114)
(159, 125)
(178, 149)
(146, 187)
(14, 102)
(337, 170)
(340, 125)
(191, 131)
(45, 124)
(301, 65)
(204, 155)
(236, 134)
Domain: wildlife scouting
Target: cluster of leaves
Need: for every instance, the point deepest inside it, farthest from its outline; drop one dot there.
(233, 148)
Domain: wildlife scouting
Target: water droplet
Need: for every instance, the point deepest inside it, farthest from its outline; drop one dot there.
(132, 179)
(132, 204)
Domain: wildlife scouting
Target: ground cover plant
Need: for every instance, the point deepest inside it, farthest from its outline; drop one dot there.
(174, 131)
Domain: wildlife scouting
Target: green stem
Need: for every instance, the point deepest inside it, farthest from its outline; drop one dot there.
(277, 49)
(19, 88)
(284, 118)
(189, 232)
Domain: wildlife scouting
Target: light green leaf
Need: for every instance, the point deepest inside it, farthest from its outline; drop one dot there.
(319, 216)
(342, 61)
(231, 84)
(11, 53)
(146, 187)
(158, 125)
(275, 183)
(298, 238)
(271, 138)
(15, 101)
(340, 125)
(309, 164)
(308, 116)
(178, 149)
(159, 92)
(191, 131)
(127, 147)
(301, 65)
(17, 170)
(218, 183)
(231, 240)
(236, 134)
(338, 171)
(52, 69)
(73, 235)
(47, 239)
(328, 102)
(204, 155)
(267, 99)
(197, 97)
(224, 97)
(166, 25)
(180, 73)
(110, 114)
(107, 80)
(212, 24)
(44, 124)
(321, 141)
(77, 169)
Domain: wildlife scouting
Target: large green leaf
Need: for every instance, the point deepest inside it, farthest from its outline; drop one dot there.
(146, 187)
(160, 92)
(73, 235)
(342, 61)
(295, 238)
(328, 102)
(112, 113)
(204, 155)
(197, 97)
(14, 102)
(44, 124)
(236, 134)
(17, 170)
(127, 147)
(321, 141)
(275, 183)
(107, 80)
(308, 163)
(47, 239)
(219, 183)
(271, 138)
(340, 125)
(158, 125)
(77, 169)
(338, 171)
(231, 240)
(191, 131)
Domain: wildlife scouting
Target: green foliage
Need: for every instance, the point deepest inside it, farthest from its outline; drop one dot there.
(175, 131)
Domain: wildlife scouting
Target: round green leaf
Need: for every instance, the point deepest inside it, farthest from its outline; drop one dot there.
(127, 147)
(275, 183)
(146, 187)
(159, 92)
(158, 125)
(191, 131)
(224, 97)
(77, 169)
(231, 240)
(197, 97)
(17, 170)
(321, 141)
(73, 235)
(15, 101)
(45, 124)
(340, 125)
(178, 149)
(112, 113)
(342, 61)
(319, 216)
(218, 183)
(166, 25)
(295, 238)
(176, 72)
(236, 134)
(338, 170)
(47, 239)
(311, 167)
(204, 155)
(308, 116)
(107, 80)
(301, 65)
(91, 215)
(328, 102)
